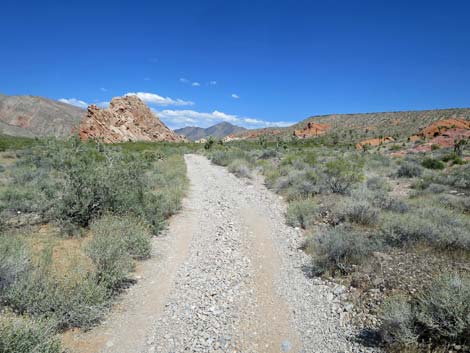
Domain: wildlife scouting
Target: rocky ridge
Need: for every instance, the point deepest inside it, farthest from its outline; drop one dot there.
(128, 118)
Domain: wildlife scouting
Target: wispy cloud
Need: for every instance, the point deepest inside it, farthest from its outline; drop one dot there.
(212, 83)
(74, 101)
(181, 118)
(153, 98)
(147, 78)
(104, 104)
(194, 83)
(235, 96)
(102, 89)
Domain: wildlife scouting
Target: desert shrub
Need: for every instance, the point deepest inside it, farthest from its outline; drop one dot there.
(339, 249)
(301, 158)
(439, 314)
(443, 310)
(378, 184)
(341, 174)
(129, 230)
(240, 168)
(397, 321)
(110, 255)
(22, 199)
(268, 154)
(409, 169)
(23, 335)
(74, 301)
(74, 182)
(458, 177)
(384, 201)
(299, 184)
(224, 157)
(15, 260)
(454, 158)
(439, 227)
(301, 213)
(436, 188)
(360, 212)
(431, 163)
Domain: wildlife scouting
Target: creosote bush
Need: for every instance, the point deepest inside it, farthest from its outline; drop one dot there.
(301, 213)
(440, 314)
(341, 174)
(360, 212)
(22, 335)
(338, 249)
(409, 169)
(74, 301)
(431, 163)
(240, 168)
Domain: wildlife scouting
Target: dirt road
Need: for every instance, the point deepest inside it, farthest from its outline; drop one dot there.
(227, 277)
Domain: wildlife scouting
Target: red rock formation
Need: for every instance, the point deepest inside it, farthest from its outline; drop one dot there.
(312, 130)
(374, 142)
(442, 133)
(440, 127)
(127, 119)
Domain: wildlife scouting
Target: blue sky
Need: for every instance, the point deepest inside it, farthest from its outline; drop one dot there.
(254, 63)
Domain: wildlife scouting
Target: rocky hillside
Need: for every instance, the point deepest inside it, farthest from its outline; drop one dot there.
(31, 116)
(127, 119)
(353, 128)
(219, 130)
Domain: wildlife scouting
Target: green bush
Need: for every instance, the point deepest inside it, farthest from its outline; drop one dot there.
(74, 183)
(76, 301)
(341, 174)
(22, 335)
(440, 228)
(409, 169)
(378, 184)
(299, 184)
(128, 230)
(109, 252)
(240, 168)
(397, 321)
(339, 249)
(15, 260)
(360, 212)
(431, 163)
(301, 213)
(440, 315)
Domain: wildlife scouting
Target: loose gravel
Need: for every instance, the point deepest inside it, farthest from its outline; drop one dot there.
(219, 302)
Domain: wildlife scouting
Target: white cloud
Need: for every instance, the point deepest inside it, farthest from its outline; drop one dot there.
(212, 83)
(195, 84)
(235, 96)
(181, 118)
(74, 101)
(104, 104)
(102, 89)
(184, 80)
(152, 98)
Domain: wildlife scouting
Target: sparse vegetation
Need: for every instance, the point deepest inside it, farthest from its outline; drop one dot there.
(406, 207)
(106, 201)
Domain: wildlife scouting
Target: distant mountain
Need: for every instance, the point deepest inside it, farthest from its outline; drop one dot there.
(31, 116)
(219, 130)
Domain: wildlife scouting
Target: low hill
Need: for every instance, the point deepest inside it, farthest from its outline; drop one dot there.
(218, 130)
(352, 128)
(31, 116)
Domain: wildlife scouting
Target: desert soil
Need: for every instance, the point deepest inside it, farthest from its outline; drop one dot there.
(227, 276)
